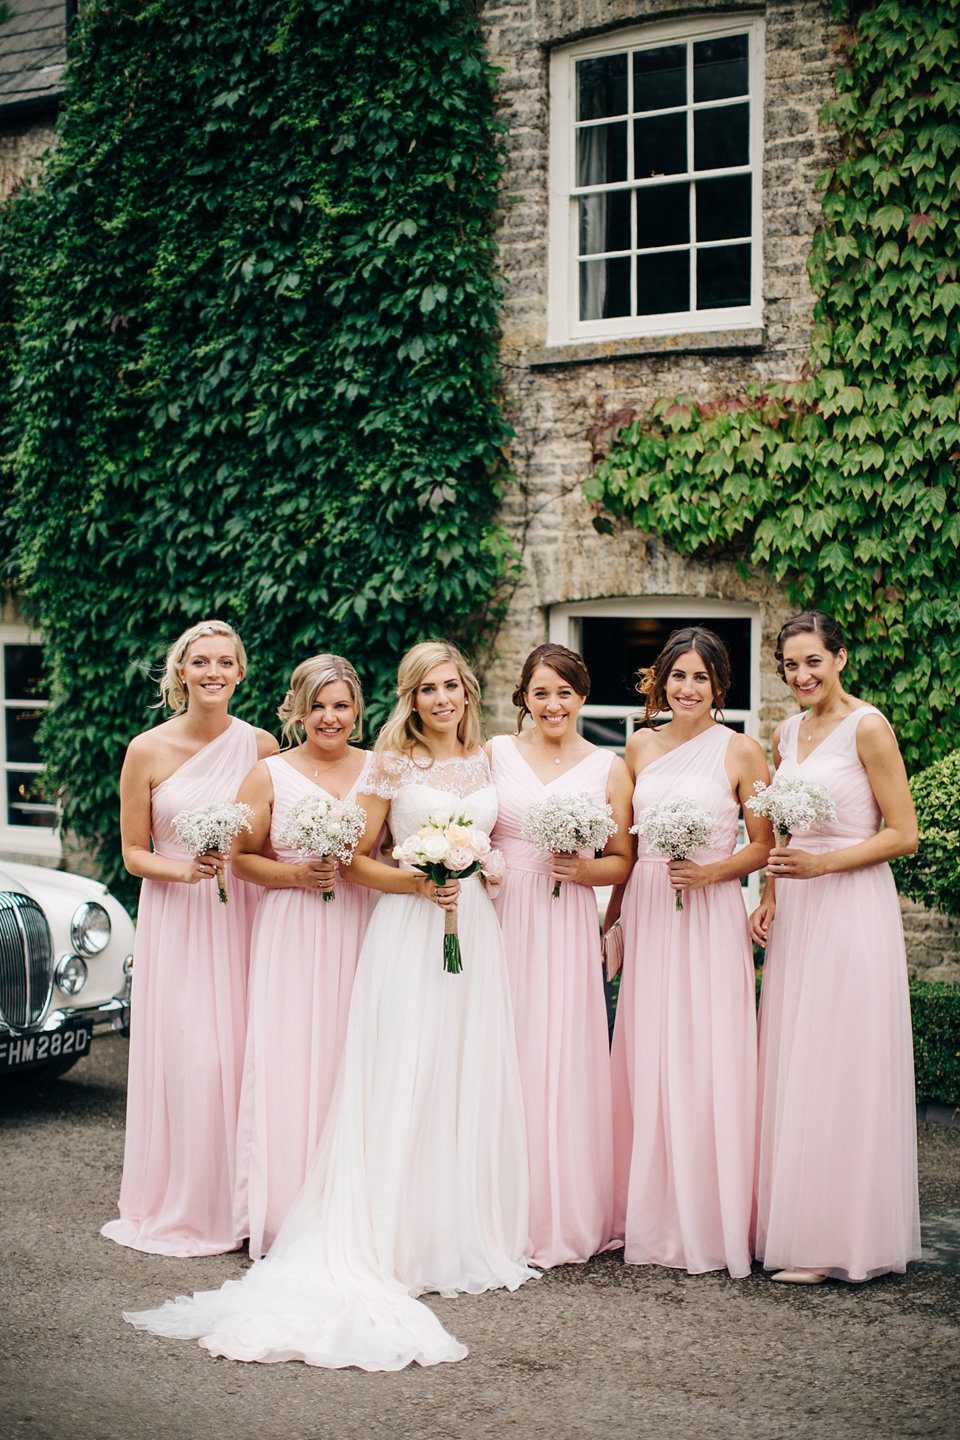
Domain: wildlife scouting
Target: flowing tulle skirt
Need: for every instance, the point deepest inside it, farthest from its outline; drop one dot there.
(419, 1183)
(187, 1031)
(837, 1161)
(684, 1077)
(556, 977)
(303, 958)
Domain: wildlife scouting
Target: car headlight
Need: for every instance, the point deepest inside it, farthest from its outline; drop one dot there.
(90, 929)
(71, 974)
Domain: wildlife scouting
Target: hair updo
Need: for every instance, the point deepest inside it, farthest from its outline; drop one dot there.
(567, 664)
(306, 682)
(810, 622)
(652, 681)
(173, 692)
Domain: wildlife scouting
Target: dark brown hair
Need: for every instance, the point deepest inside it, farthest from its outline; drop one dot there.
(652, 682)
(810, 622)
(568, 665)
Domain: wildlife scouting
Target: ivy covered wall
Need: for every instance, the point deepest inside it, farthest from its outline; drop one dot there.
(250, 311)
(844, 484)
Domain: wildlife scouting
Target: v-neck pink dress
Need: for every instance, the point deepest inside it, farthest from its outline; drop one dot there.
(837, 1152)
(187, 1028)
(556, 981)
(685, 1041)
(303, 957)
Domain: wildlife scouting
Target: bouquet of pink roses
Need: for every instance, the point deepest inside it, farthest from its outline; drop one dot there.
(450, 846)
(323, 827)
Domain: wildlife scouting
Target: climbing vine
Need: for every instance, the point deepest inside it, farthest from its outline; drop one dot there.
(254, 307)
(844, 484)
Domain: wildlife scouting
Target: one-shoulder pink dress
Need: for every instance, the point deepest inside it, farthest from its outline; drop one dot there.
(685, 1041)
(303, 957)
(187, 1028)
(556, 982)
(837, 1151)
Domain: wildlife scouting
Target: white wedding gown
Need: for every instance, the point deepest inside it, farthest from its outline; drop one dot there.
(420, 1179)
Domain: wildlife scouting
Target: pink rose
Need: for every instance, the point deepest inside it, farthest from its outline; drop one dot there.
(493, 866)
(459, 858)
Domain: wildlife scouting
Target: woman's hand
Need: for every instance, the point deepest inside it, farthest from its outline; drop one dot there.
(443, 895)
(685, 875)
(760, 922)
(785, 863)
(204, 867)
(565, 867)
(315, 875)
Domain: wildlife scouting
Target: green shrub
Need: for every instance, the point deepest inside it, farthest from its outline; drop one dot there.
(936, 1041)
(932, 875)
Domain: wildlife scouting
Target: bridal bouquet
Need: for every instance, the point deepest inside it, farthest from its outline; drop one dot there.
(213, 826)
(678, 828)
(450, 846)
(792, 803)
(322, 827)
(563, 824)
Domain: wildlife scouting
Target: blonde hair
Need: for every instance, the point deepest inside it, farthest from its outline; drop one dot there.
(173, 692)
(306, 682)
(402, 733)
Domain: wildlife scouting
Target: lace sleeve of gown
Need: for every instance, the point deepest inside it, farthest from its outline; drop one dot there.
(386, 774)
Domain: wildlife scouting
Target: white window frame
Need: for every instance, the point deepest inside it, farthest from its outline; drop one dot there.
(21, 839)
(564, 629)
(564, 325)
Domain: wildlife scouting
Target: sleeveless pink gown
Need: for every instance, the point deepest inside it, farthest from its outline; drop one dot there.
(187, 1030)
(685, 1042)
(303, 957)
(837, 1155)
(556, 982)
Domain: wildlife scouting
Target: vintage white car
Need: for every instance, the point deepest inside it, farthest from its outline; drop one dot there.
(66, 959)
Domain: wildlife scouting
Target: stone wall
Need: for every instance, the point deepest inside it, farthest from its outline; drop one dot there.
(22, 146)
(933, 943)
(555, 395)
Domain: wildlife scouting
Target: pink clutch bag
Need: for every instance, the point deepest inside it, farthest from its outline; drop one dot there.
(612, 945)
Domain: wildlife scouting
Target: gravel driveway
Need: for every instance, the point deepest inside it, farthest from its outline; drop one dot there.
(586, 1353)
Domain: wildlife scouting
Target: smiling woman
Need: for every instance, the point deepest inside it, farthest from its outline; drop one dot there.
(190, 959)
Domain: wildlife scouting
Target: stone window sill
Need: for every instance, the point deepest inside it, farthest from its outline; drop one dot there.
(588, 352)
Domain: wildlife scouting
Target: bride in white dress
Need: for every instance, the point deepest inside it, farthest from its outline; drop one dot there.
(420, 1179)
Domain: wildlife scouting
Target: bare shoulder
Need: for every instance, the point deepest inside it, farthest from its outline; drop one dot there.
(267, 744)
(150, 744)
(875, 735)
(745, 750)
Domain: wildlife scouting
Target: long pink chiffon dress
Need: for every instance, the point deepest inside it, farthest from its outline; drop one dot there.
(303, 957)
(685, 1041)
(837, 1152)
(556, 982)
(187, 1028)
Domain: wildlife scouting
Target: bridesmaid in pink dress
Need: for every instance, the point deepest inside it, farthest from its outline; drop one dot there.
(837, 1154)
(685, 1039)
(190, 960)
(304, 950)
(553, 958)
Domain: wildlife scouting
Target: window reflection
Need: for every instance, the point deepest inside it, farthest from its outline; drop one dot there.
(660, 78)
(601, 87)
(663, 216)
(721, 137)
(660, 145)
(663, 282)
(720, 68)
(723, 208)
(723, 277)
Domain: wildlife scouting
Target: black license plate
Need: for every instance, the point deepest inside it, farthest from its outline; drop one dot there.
(24, 1052)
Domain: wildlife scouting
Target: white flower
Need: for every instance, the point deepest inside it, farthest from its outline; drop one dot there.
(565, 823)
(213, 826)
(435, 847)
(793, 804)
(324, 828)
(677, 827)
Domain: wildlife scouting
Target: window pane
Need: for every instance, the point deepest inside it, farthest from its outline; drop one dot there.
(660, 146)
(601, 87)
(723, 276)
(602, 154)
(723, 208)
(605, 222)
(721, 138)
(26, 802)
(660, 78)
(23, 672)
(720, 68)
(663, 283)
(604, 288)
(663, 216)
(22, 726)
(615, 647)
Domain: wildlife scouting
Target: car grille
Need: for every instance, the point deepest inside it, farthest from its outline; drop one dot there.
(26, 960)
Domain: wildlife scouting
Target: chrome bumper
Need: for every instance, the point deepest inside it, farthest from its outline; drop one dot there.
(112, 1015)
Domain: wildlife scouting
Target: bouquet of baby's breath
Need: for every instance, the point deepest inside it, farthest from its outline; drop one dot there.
(792, 803)
(450, 845)
(323, 827)
(213, 826)
(678, 827)
(563, 824)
